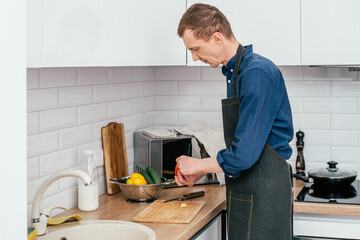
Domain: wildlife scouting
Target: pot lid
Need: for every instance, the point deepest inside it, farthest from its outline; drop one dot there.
(332, 172)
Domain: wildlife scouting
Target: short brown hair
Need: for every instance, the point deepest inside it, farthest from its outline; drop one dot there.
(204, 20)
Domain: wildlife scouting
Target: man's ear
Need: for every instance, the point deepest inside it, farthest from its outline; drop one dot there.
(217, 38)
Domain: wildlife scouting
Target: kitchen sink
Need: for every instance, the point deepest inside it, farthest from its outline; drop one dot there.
(97, 230)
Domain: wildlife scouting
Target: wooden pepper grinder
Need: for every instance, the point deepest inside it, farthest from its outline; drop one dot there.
(300, 161)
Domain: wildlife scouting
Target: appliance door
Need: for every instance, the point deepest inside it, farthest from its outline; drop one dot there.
(316, 238)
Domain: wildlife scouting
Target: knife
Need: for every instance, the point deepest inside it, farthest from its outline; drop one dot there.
(187, 196)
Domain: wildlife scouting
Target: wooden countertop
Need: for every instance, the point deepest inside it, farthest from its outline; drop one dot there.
(115, 207)
(322, 208)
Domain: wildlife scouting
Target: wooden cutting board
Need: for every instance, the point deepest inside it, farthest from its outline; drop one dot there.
(115, 158)
(170, 212)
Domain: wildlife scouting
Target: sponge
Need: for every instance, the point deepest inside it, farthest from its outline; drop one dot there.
(31, 235)
(59, 220)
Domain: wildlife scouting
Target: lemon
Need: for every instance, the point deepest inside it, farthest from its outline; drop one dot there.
(137, 179)
(129, 181)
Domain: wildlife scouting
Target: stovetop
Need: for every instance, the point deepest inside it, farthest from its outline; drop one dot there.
(343, 195)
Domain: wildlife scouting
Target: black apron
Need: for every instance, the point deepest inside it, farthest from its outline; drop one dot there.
(259, 202)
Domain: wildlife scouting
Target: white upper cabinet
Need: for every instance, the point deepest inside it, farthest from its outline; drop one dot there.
(33, 33)
(77, 33)
(73, 33)
(330, 32)
(273, 27)
(143, 32)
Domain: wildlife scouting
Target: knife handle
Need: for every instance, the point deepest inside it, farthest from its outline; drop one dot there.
(194, 194)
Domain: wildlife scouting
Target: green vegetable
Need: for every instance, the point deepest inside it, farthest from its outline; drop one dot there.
(147, 177)
(154, 175)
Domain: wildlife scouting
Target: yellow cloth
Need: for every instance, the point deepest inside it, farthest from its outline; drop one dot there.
(59, 220)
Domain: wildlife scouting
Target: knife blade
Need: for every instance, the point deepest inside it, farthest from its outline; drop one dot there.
(187, 196)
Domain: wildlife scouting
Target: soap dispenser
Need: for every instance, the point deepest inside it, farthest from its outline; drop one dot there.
(88, 194)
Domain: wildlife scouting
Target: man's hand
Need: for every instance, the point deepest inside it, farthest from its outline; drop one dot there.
(189, 180)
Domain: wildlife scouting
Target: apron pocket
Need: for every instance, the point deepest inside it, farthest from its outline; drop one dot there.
(239, 210)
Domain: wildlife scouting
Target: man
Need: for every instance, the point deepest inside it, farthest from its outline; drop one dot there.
(257, 129)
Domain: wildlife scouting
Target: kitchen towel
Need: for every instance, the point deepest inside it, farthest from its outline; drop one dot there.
(212, 140)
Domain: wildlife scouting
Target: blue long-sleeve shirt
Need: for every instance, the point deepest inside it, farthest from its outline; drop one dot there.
(264, 113)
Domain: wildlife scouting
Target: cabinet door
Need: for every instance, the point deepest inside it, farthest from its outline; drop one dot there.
(330, 32)
(73, 33)
(273, 27)
(142, 32)
(33, 33)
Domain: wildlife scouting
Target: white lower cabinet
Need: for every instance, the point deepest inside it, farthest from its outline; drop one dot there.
(327, 226)
(212, 232)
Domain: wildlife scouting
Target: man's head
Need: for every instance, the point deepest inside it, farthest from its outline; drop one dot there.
(206, 32)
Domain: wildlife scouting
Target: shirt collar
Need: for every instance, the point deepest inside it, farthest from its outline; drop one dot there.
(231, 64)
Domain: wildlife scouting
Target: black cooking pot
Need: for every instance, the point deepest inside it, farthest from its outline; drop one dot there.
(333, 193)
(330, 176)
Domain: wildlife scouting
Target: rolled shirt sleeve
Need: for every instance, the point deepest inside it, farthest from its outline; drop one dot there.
(259, 98)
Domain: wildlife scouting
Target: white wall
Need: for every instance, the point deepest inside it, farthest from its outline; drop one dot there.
(68, 106)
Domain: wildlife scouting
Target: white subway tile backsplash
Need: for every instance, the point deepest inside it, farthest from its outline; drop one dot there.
(214, 119)
(317, 153)
(42, 143)
(143, 74)
(57, 77)
(66, 199)
(32, 78)
(120, 74)
(42, 99)
(68, 182)
(33, 168)
(345, 154)
(132, 90)
(330, 105)
(331, 137)
(142, 105)
(60, 160)
(33, 123)
(178, 103)
(345, 89)
(166, 118)
(75, 96)
(209, 73)
(92, 76)
(58, 118)
(311, 121)
(345, 121)
(149, 119)
(120, 108)
(296, 104)
(211, 104)
(97, 128)
(96, 146)
(308, 88)
(149, 89)
(35, 184)
(166, 88)
(129, 140)
(130, 156)
(133, 122)
(93, 113)
(177, 73)
(202, 88)
(105, 93)
(70, 137)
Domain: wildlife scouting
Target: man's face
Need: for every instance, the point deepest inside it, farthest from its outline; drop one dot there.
(206, 51)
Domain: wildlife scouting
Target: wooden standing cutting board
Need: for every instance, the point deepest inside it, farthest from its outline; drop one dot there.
(170, 212)
(115, 158)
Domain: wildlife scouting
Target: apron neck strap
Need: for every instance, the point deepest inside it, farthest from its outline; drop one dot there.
(239, 54)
